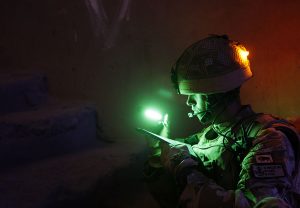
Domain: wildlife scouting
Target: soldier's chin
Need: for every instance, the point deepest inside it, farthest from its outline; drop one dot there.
(205, 118)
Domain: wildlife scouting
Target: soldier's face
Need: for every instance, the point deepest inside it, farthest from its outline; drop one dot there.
(197, 102)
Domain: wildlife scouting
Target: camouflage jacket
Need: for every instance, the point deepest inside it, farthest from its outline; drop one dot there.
(251, 162)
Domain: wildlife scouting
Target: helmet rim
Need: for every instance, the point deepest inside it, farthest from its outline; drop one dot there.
(214, 85)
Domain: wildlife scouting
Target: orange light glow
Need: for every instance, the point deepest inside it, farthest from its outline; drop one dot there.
(244, 54)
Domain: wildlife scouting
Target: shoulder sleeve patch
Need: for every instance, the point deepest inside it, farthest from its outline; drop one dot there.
(268, 170)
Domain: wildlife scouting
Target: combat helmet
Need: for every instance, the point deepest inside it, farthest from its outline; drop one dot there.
(212, 65)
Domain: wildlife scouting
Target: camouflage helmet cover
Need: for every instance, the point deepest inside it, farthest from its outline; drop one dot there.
(211, 65)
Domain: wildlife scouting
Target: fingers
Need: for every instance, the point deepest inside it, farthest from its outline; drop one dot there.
(165, 120)
(172, 155)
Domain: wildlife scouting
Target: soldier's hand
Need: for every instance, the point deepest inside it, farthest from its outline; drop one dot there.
(172, 157)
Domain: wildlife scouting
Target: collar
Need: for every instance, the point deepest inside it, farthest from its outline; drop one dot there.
(244, 112)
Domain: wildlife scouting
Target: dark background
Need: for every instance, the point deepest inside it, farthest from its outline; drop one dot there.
(118, 54)
(123, 64)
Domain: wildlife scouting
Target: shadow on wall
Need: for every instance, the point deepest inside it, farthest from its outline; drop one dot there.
(104, 25)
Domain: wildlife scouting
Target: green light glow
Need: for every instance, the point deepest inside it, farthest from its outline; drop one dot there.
(165, 93)
(153, 114)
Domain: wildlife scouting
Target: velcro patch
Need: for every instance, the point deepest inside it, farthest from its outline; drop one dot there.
(268, 170)
(264, 158)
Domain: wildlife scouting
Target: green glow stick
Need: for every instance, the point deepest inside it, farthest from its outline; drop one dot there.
(153, 114)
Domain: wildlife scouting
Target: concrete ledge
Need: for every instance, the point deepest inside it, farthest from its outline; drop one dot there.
(20, 91)
(49, 131)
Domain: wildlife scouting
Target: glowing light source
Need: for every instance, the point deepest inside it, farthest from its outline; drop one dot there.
(244, 54)
(153, 114)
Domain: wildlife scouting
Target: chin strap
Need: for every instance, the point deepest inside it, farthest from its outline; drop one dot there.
(206, 117)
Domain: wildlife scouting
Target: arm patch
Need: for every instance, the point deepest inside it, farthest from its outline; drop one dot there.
(260, 170)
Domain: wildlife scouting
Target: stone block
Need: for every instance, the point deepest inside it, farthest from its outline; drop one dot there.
(49, 131)
(20, 91)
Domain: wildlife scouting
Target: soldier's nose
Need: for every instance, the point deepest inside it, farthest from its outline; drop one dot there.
(191, 100)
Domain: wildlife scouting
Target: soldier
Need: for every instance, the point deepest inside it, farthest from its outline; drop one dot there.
(244, 159)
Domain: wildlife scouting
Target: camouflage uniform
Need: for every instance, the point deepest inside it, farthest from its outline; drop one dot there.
(253, 163)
